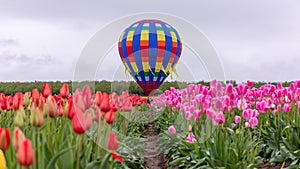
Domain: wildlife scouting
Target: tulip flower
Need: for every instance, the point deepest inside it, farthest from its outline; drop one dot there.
(4, 138)
(98, 98)
(112, 143)
(64, 91)
(25, 154)
(18, 100)
(2, 160)
(81, 122)
(4, 103)
(19, 117)
(36, 116)
(191, 138)
(286, 108)
(51, 106)
(172, 130)
(60, 110)
(87, 96)
(110, 116)
(237, 119)
(241, 89)
(35, 96)
(71, 109)
(253, 122)
(18, 138)
(47, 90)
(105, 104)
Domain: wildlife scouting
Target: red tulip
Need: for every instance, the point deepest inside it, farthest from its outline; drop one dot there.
(105, 105)
(51, 106)
(64, 91)
(18, 100)
(71, 109)
(81, 122)
(98, 98)
(4, 103)
(87, 96)
(25, 154)
(110, 116)
(19, 137)
(4, 138)
(112, 143)
(60, 110)
(35, 96)
(47, 90)
(78, 102)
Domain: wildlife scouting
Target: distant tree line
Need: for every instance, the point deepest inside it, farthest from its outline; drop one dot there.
(10, 88)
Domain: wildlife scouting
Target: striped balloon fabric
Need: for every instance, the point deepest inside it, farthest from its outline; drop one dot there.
(150, 49)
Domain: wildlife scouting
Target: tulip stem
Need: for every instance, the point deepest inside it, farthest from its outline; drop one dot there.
(78, 151)
(34, 143)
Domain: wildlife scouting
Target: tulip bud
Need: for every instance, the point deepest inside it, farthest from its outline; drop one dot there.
(98, 98)
(60, 110)
(36, 116)
(3, 103)
(172, 130)
(2, 160)
(110, 116)
(4, 138)
(19, 137)
(19, 117)
(87, 96)
(81, 122)
(64, 91)
(112, 143)
(35, 96)
(27, 99)
(51, 106)
(47, 90)
(25, 154)
(71, 109)
(105, 105)
(18, 100)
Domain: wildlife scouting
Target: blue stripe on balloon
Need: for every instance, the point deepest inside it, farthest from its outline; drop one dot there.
(152, 49)
(136, 49)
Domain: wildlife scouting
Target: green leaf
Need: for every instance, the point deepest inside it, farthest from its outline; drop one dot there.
(105, 161)
(51, 164)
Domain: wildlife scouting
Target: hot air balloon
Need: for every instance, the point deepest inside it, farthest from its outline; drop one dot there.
(150, 50)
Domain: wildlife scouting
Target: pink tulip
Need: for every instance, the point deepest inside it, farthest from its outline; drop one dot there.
(253, 122)
(191, 138)
(286, 108)
(172, 130)
(237, 119)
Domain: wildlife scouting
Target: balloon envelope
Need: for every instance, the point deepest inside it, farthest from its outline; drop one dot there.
(150, 49)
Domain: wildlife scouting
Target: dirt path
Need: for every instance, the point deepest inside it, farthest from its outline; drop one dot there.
(154, 158)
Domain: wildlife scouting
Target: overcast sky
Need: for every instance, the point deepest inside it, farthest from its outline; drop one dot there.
(257, 40)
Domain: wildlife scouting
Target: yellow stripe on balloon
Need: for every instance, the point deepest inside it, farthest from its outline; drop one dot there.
(130, 36)
(145, 35)
(145, 66)
(135, 69)
(174, 38)
(158, 66)
(127, 67)
(121, 37)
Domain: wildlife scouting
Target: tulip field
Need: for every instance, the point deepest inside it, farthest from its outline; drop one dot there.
(216, 126)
